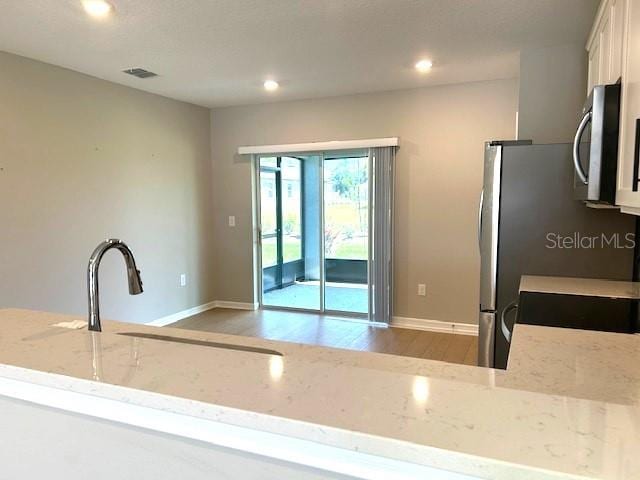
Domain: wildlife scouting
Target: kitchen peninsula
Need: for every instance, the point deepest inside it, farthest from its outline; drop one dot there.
(341, 414)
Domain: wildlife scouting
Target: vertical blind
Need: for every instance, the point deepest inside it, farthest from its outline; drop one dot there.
(382, 166)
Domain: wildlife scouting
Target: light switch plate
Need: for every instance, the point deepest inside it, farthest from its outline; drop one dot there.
(422, 289)
(183, 280)
(232, 221)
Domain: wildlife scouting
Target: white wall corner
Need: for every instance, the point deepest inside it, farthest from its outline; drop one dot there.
(435, 325)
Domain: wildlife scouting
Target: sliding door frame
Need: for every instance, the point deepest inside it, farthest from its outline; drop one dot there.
(370, 230)
(364, 317)
(259, 281)
(258, 284)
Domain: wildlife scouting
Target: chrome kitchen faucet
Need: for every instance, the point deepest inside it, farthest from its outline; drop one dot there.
(135, 282)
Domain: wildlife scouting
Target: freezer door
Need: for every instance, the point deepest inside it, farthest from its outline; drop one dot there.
(486, 335)
(488, 226)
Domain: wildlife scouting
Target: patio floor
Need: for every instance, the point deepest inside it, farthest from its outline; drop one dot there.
(345, 297)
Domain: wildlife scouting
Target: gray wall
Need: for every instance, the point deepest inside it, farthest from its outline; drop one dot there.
(82, 159)
(553, 82)
(439, 177)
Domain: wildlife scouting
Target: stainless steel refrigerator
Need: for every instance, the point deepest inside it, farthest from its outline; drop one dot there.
(530, 224)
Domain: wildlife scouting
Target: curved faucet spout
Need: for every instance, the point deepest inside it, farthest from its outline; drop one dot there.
(133, 274)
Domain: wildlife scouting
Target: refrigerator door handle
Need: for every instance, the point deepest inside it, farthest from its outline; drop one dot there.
(480, 219)
(486, 339)
(503, 325)
(576, 147)
(489, 219)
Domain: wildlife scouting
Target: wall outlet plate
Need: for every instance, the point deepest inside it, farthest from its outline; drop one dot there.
(422, 289)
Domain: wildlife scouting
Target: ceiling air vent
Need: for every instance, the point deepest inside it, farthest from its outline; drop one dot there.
(140, 72)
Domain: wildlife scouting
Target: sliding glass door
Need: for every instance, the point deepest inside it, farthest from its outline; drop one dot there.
(346, 233)
(314, 231)
(290, 269)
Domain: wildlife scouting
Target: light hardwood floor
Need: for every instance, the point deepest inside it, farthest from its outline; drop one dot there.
(335, 332)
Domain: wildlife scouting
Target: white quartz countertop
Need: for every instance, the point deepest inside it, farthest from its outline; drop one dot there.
(533, 421)
(592, 287)
(601, 366)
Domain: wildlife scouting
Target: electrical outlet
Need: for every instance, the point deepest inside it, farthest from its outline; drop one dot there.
(422, 289)
(183, 280)
(232, 221)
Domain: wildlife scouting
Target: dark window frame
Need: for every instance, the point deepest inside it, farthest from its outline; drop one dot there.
(279, 231)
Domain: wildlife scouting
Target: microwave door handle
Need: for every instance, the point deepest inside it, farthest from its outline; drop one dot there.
(480, 219)
(576, 147)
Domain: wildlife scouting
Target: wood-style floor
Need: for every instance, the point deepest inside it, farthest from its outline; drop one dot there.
(334, 332)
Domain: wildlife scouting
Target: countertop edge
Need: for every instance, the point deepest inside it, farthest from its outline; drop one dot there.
(331, 449)
(589, 287)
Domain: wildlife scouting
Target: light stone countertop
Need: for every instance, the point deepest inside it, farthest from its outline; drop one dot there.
(537, 420)
(591, 287)
(593, 365)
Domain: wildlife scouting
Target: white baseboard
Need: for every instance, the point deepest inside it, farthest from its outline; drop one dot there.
(161, 322)
(236, 305)
(435, 325)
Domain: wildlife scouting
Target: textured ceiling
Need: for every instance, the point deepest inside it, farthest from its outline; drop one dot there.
(218, 52)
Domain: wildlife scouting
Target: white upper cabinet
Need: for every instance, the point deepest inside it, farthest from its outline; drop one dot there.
(594, 66)
(605, 44)
(617, 13)
(628, 194)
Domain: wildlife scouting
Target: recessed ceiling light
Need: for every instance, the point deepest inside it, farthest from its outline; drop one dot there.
(271, 85)
(97, 8)
(424, 65)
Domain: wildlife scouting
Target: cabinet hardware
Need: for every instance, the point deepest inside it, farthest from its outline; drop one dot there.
(636, 157)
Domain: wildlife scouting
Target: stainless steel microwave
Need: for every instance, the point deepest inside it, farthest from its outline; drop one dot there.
(595, 146)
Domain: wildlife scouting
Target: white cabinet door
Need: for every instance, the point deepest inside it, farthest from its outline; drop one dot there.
(627, 192)
(605, 44)
(594, 66)
(616, 19)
